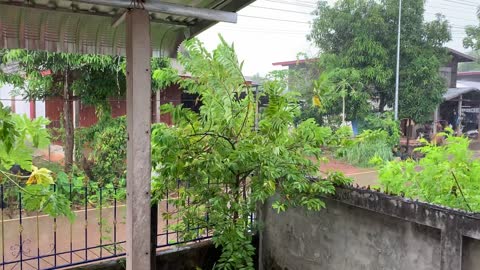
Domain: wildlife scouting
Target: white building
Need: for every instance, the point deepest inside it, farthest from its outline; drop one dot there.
(20, 106)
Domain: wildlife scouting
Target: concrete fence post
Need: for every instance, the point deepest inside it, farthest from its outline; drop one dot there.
(138, 51)
(451, 246)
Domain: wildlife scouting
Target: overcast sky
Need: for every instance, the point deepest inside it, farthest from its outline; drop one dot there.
(261, 42)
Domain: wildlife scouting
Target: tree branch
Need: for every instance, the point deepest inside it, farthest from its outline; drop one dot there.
(461, 192)
(218, 136)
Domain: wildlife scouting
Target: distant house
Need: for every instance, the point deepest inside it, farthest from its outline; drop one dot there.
(461, 106)
(306, 67)
(296, 64)
(469, 78)
(450, 70)
(463, 92)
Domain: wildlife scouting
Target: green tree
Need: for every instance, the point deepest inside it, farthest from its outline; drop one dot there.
(361, 35)
(221, 166)
(345, 96)
(472, 40)
(107, 140)
(93, 78)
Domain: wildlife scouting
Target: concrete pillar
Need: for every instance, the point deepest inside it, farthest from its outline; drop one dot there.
(451, 247)
(13, 103)
(157, 106)
(453, 74)
(435, 120)
(459, 115)
(257, 108)
(138, 146)
(76, 121)
(76, 113)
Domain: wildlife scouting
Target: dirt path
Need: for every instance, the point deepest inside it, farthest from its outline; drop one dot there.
(361, 176)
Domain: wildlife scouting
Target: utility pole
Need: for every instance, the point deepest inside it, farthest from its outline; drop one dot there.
(397, 77)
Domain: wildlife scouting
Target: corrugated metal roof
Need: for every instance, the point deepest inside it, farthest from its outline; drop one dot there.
(453, 93)
(71, 26)
(461, 57)
(467, 83)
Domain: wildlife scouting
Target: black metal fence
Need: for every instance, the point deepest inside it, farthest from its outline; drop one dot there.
(36, 241)
(31, 240)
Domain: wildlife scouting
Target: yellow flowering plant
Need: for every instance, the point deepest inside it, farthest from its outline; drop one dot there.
(18, 137)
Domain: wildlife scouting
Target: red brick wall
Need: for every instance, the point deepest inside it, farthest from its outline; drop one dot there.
(53, 111)
(172, 94)
(87, 115)
(119, 107)
(54, 108)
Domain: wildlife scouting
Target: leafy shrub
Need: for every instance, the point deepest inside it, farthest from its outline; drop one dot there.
(368, 145)
(102, 150)
(447, 175)
(18, 136)
(385, 122)
(222, 167)
(109, 151)
(341, 137)
(309, 112)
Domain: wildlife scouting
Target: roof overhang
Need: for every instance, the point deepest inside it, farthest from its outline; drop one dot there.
(95, 26)
(461, 57)
(295, 62)
(453, 93)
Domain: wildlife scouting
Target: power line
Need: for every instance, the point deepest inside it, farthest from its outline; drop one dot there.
(456, 29)
(283, 10)
(451, 17)
(456, 3)
(306, 13)
(454, 6)
(268, 32)
(463, 2)
(306, 22)
(290, 3)
(262, 29)
(272, 19)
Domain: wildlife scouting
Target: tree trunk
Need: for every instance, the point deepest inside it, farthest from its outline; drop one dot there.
(408, 138)
(68, 124)
(381, 106)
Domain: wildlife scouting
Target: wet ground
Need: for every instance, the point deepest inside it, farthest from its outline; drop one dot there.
(369, 176)
(361, 176)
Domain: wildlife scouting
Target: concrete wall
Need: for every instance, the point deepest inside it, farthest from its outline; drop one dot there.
(201, 255)
(362, 229)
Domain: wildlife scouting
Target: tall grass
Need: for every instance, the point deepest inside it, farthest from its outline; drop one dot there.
(366, 146)
(360, 154)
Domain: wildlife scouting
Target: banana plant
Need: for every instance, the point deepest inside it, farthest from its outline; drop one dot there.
(322, 90)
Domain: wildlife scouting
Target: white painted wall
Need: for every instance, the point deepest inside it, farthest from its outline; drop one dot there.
(21, 106)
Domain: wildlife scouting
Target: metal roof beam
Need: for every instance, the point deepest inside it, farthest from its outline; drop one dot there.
(83, 12)
(172, 9)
